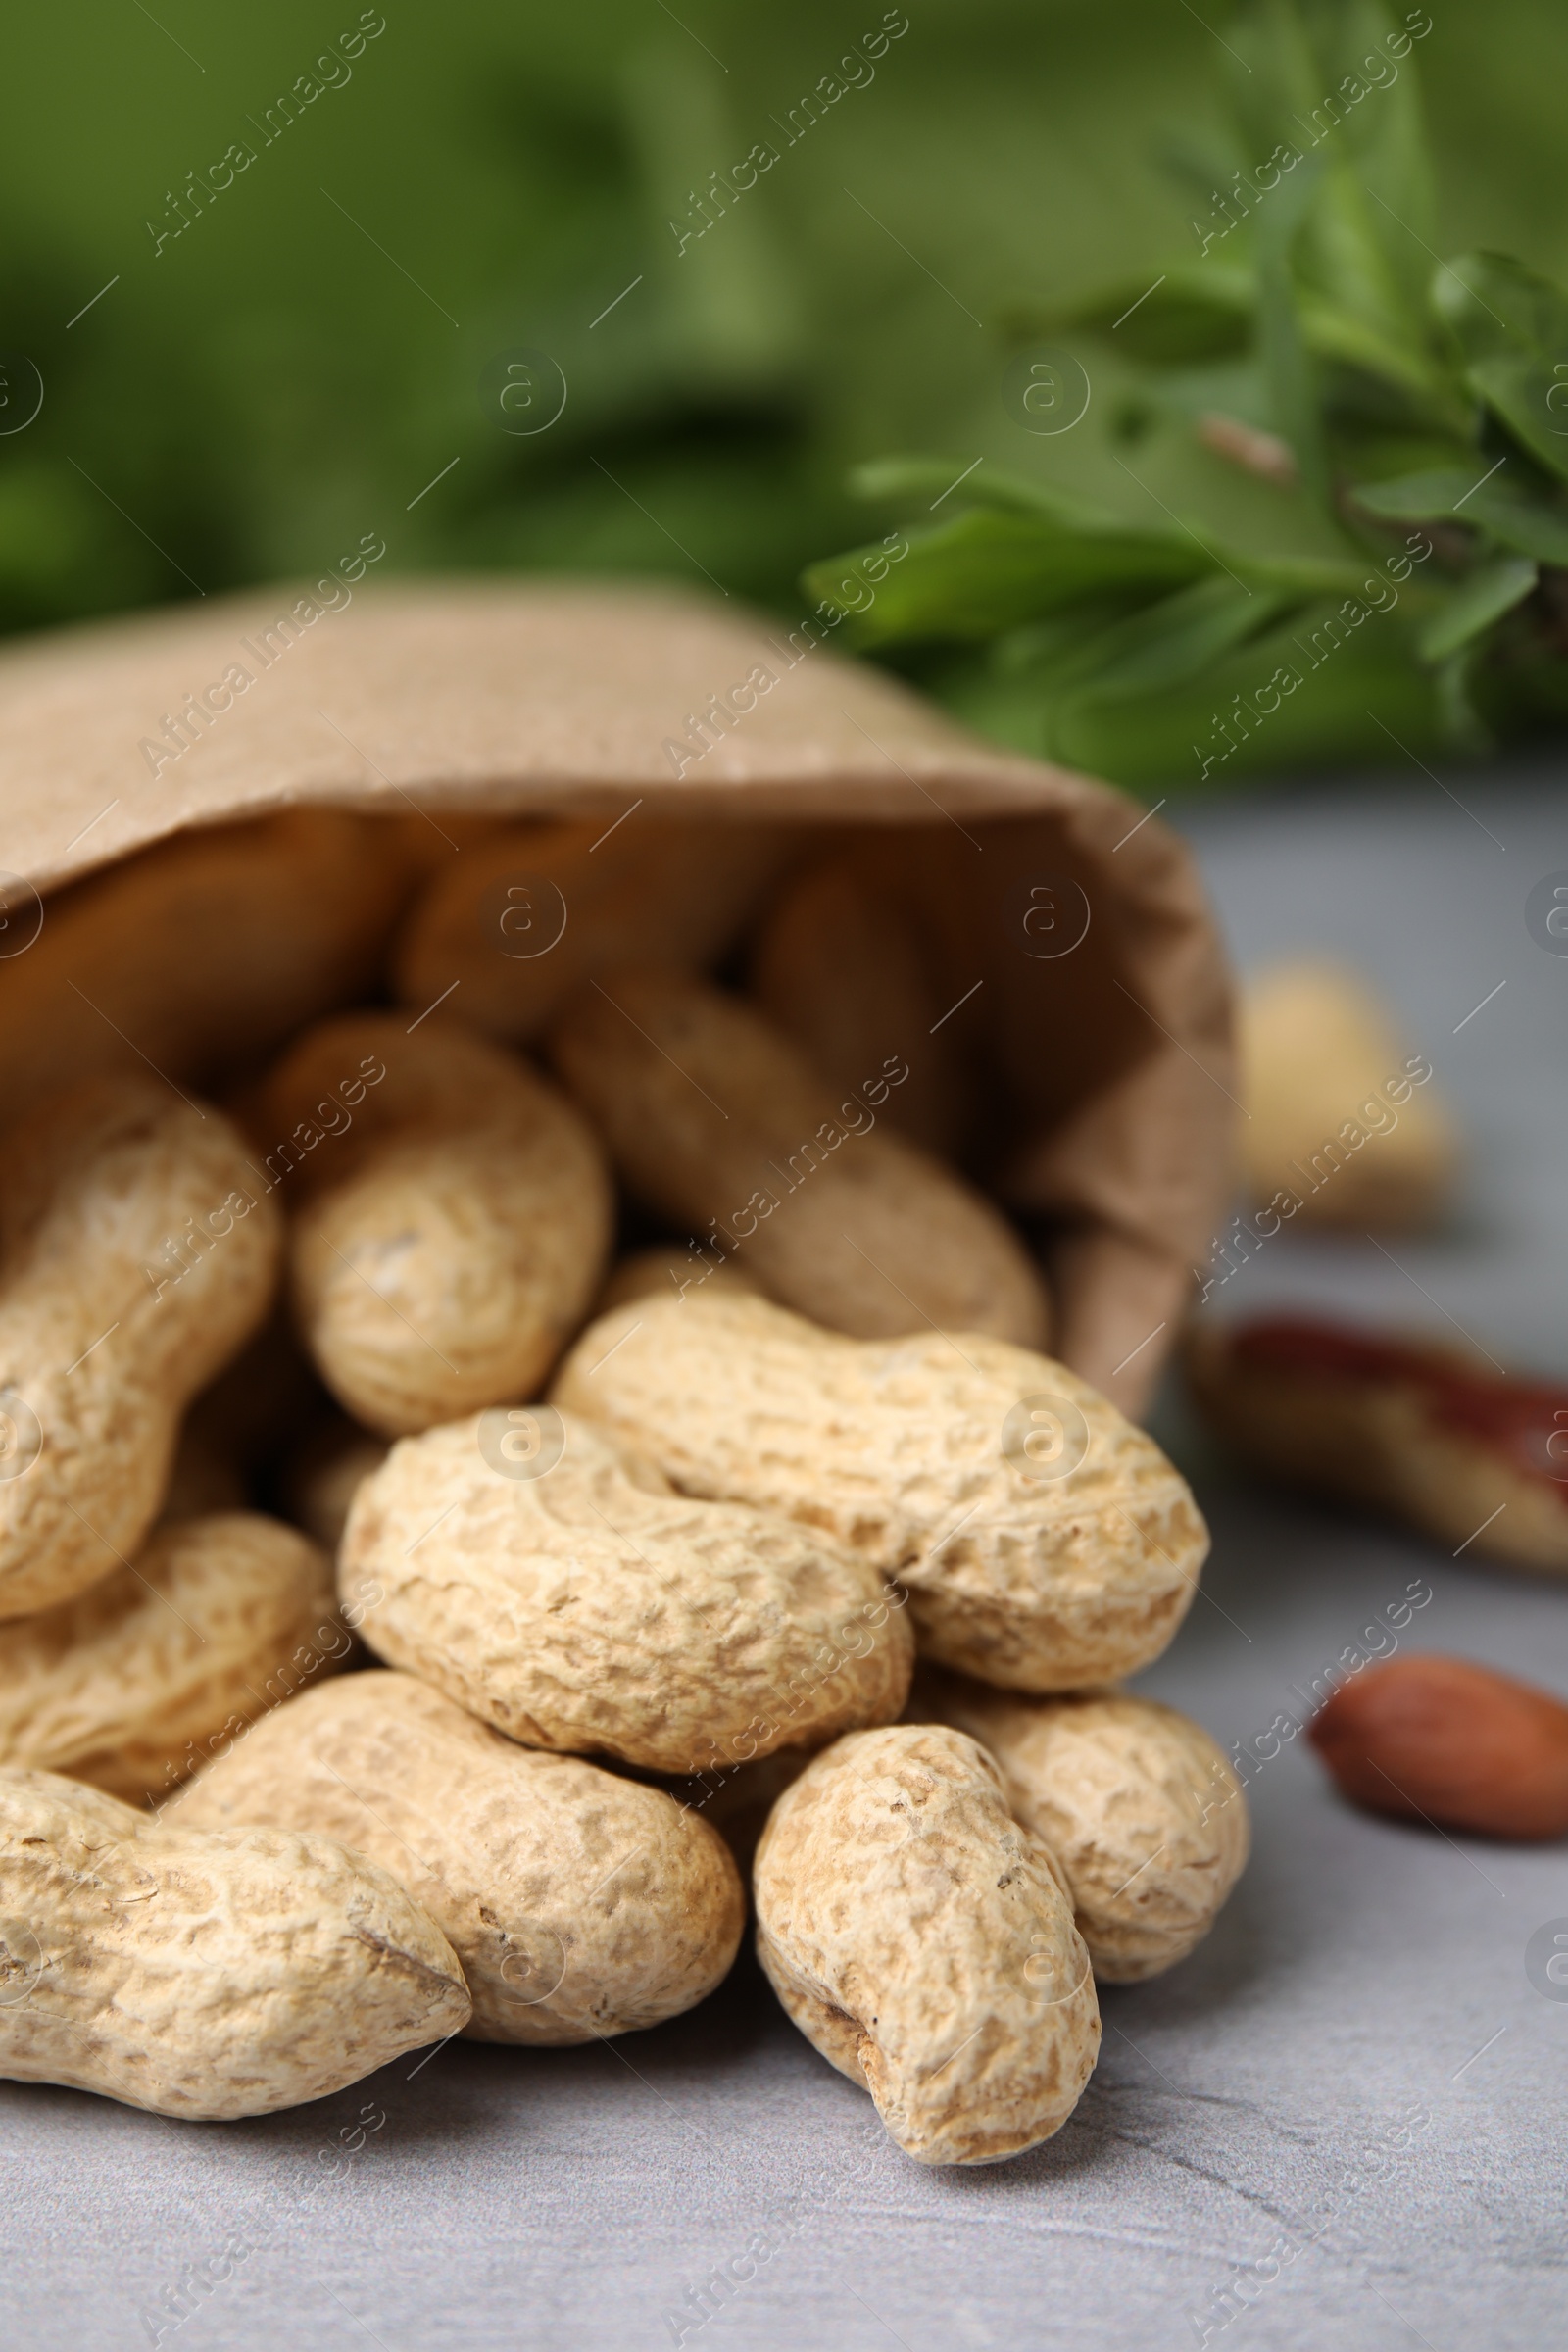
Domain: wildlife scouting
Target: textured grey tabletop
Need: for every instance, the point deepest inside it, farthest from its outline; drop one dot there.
(1342, 2122)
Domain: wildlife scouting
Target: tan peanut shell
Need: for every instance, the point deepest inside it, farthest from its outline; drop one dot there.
(715, 1118)
(524, 922)
(838, 967)
(202, 1974)
(581, 1904)
(1340, 1120)
(1046, 1542)
(667, 1271)
(136, 1681)
(919, 1938)
(139, 1252)
(584, 1605)
(1137, 1802)
(451, 1215)
(200, 954)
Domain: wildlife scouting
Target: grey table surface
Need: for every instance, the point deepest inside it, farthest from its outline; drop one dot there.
(1341, 2121)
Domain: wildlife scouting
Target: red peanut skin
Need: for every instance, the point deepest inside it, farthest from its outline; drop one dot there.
(1464, 1747)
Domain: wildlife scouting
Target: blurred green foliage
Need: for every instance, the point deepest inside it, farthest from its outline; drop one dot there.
(310, 352)
(1401, 422)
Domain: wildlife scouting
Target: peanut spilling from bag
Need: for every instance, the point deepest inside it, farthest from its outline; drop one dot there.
(451, 1215)
(139, 1251)
(921, 1940)
(164, 1662)
(1046, 1542)
(557, 1586)
(1138, 1805)
(808, 1432)
(581, 1904)
(718, 1121)
(202, 1974)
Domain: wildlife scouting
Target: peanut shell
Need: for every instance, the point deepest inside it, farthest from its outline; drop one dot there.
(842, 968)
(523, 923)
(138, 1251)
(667, 1271)
(920, 1940)
(557, 1586)
(200, 954)
(325, 1473)
(1138, 1803)
(1046, 1542)
(451, 1215)
(202, 1974)
(718, 1121)
(1336, 1121)
(581, 1904)
(134, 1683)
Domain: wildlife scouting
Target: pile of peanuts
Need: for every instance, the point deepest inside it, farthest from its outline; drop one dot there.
(609, 1649)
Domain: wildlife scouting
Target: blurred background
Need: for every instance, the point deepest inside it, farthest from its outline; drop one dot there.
(248, 367)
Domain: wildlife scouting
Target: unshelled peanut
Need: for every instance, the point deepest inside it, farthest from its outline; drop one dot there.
(840, 966)
(137, 1252)
(664, 1271)
(921, 1940)
(579, 1903)
(716, 1119)
(556, 1584)
(1343, 1127)
(1138, 1803)
(202, 1974)
(164, 1662)
(451, 1215)
(200, 955)
(324, 1473)
(1046, 1542)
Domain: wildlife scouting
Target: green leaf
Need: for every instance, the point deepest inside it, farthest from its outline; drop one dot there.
(987, 571)
(1215, 730)
(1448, 496)
(1044, 651)
(1334, 333)
(1491, 590)
(1531, 396)
(1190, 314)
(897, 480)
(1495, 307)
(1324, 80)
(1428, 496)
(1302, 577)
(1463, 726)
(1287, 371)
(1273, 79)
(1159, 654)
(1169, 642)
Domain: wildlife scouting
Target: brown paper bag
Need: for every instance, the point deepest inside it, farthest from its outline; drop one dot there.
(363, 736)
